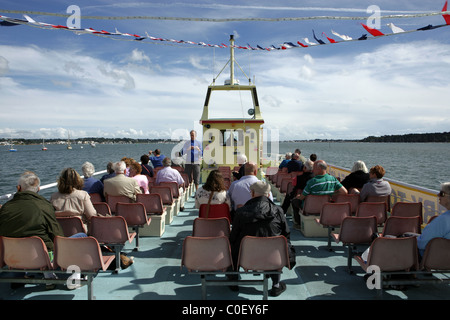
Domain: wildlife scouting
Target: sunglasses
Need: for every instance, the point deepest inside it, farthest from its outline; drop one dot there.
(441, 194)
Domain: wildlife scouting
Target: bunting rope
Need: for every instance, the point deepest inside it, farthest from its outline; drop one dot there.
(375, 33)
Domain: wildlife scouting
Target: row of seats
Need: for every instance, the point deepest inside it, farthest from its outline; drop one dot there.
(30, 254)
(207, 253)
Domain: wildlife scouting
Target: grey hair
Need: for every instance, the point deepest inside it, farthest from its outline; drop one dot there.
(167, 162)
(445, 186)
(359, 165)
(309, 165)
(29, 181)
(119, 167)
(88, 169)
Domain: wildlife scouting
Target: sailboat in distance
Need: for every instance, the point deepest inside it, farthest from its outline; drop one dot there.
(69, 146)
(44, 148)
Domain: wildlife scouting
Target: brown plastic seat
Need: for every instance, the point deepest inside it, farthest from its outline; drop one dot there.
(263, 253)
(392, 254)
(206, 254)
(221, 210)
(173, 186)
(313, 204)
(113, 200)
(376, 209)
(26, 253)
(165, 193)
(113, 232)
(397, 226)
(385, 199)
(332, 215)
(354, 200)
(96, 197)
(407, 209)
(356, 231)
(152, 202)
(436, 255)
(102, 208)
(135, 215)
(84, 253)
(211, 227)
(70, 225)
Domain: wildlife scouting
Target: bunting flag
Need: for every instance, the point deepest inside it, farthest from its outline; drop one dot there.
(305, 43)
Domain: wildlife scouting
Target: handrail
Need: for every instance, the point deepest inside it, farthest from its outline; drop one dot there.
(47, 186)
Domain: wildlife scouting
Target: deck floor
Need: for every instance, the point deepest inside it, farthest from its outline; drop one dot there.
(157, 275)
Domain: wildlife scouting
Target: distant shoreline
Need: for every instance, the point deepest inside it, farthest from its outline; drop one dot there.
(406, 138)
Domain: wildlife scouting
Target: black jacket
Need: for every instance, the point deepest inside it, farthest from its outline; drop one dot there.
(259, 217)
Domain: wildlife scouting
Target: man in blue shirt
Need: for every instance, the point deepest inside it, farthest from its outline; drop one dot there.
(193, 151)
(439, 227)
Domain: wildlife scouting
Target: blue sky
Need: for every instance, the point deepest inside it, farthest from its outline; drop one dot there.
(52, 81)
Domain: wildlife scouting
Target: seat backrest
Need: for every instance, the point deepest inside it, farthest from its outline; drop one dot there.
(152, 202)
(173, 186)
(133, 213)
(164, 192)
(397, 226)
(185, 177)
(332, 214)
(285, 183)
(71, 225)
(96, 197)
(376, 209)
(102, 208)
(407, 209)
(280, 177)
(211, 227)
(206, 254)
(111, 230)
(354, 200)
(84, 253)
(358, 230)
(313, 204)
(263, 253)
(394, 254)
(26, 253)
(221, 210)
(385, 199)
(113, 200)
(436, 255)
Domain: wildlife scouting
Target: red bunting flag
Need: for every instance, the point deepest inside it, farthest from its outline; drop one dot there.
(374, 32)
(446, 16)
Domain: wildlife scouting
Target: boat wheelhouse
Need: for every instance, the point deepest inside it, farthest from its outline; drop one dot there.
(226, 138)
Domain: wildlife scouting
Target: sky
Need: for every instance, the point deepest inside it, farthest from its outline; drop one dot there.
(53, 82)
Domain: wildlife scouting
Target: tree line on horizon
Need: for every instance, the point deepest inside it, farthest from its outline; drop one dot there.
(411, 137)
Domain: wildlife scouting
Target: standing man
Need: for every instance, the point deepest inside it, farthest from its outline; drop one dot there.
(193, 151)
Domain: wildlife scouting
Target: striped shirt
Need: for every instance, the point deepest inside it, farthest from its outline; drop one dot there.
(322, 185)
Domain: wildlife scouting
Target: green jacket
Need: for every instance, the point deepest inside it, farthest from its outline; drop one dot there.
(29, 214)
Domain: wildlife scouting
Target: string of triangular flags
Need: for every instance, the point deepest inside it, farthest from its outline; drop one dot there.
(375, 33)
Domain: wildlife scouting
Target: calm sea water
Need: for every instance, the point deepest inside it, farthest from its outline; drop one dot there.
(422, 164)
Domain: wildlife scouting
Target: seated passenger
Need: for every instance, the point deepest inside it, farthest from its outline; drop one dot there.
(135, 173)
(358, 177)
(439, 227)
(120, 184)
(300, 184)
(287, 158)
(295, 165)
(71, 198)
(91, 184)
(214, 184)
(260, 217)
(168, 174)
(29, 214)
(376, 185)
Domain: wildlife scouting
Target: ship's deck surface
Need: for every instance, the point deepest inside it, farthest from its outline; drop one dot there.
(156, 275)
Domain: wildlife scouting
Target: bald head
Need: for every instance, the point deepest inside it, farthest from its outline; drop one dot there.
(250, 168)
(320, 167)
